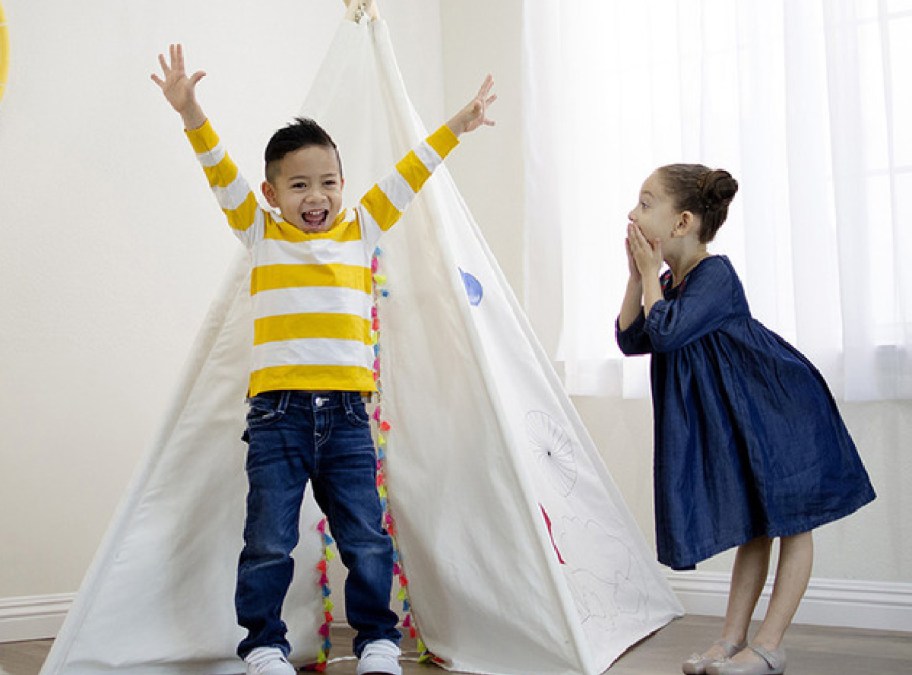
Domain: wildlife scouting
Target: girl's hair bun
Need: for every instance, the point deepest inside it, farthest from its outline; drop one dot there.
(718, 189)
(703, 191)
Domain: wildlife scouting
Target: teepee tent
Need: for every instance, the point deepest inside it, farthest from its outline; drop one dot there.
(519, 552)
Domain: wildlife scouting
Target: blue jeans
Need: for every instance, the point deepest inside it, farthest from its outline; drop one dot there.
(293, 437)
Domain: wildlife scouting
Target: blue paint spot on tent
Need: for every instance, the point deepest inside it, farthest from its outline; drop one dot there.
(473, 287)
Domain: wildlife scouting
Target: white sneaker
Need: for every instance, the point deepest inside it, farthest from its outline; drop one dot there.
(268, 661)
(380, 657)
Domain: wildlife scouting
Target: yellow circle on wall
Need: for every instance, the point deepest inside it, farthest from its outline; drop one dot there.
(4, 51)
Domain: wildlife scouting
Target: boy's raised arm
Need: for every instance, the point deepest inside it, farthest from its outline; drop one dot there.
(179, 89)
(473, 115)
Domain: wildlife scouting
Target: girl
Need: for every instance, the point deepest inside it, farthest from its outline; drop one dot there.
(749, 444)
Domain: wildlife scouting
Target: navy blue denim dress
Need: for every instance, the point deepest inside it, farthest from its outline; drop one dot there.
(748, 439)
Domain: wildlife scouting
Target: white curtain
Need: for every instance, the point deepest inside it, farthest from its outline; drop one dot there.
(806, 102)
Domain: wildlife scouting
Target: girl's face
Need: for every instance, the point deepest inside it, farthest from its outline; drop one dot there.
(655, 213)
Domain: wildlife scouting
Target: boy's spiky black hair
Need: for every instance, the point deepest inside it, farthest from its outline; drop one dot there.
(302, 132)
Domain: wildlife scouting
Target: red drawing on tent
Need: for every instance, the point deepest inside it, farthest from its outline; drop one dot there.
(560, 558)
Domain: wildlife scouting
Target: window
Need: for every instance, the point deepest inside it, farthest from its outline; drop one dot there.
(806, 103)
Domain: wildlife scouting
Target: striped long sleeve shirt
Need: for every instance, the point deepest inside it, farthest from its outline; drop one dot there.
(312, 292)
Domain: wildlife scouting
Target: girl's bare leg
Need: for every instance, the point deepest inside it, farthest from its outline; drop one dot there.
(796, 558)
(748, 577)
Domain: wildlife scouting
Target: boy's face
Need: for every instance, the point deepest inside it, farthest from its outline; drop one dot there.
(655, 213)
(307, 188)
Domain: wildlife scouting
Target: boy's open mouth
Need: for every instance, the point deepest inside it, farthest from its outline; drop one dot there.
(315, 219)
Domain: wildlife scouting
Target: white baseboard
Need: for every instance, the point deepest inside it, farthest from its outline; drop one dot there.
(33, 618)
(827, 602)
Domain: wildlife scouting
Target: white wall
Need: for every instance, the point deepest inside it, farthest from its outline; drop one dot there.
(482, 37)
(113, 249)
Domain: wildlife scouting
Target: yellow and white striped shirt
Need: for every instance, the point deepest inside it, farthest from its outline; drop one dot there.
(312, 293)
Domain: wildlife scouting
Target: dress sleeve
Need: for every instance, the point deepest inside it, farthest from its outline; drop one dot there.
(382, 206)
(633, 340)
(703, 303)
(231, 190)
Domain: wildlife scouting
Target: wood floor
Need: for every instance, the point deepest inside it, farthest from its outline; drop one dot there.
(812, 650)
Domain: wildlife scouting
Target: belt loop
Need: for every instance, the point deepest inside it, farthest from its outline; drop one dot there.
(347, 401)
(284, 400)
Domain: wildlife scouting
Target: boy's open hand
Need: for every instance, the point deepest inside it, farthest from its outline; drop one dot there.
(475, 113)
(178, 88)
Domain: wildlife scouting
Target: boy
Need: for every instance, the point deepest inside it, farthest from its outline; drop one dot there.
(312, 361)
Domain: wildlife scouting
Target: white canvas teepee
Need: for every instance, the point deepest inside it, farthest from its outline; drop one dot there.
(521, 557)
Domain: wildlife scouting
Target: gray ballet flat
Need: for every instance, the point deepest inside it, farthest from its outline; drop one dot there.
(770, 663)
(697, 663)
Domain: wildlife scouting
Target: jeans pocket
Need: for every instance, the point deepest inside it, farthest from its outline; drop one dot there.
(264, 410)
(356, 413)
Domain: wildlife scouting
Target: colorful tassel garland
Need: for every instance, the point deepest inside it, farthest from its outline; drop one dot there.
(383, 428)
(326, 591)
